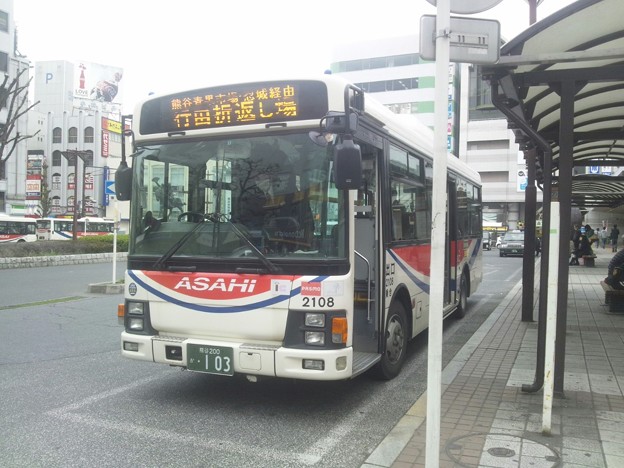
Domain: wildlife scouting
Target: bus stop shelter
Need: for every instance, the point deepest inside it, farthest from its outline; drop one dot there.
(560, 84)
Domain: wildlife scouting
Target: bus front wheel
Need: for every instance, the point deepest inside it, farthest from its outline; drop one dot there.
(396, 343)
(462, 303)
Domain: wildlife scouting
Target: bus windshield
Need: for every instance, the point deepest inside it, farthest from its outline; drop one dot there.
(268, 196)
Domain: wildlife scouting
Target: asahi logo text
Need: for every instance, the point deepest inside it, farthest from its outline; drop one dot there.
(219, 284)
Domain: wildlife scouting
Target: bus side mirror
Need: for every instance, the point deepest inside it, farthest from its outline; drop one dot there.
(347, 165)
(123, 181)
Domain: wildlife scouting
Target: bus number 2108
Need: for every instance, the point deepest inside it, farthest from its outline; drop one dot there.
(318, 302)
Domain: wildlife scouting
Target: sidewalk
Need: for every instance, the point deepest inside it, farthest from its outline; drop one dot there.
(486, 419)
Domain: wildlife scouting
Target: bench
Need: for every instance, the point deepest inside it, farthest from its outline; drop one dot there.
(614, 298)
(588, 260)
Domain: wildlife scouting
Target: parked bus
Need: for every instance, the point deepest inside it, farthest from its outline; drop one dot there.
(17, 229)
(283, 229)
(63, 228)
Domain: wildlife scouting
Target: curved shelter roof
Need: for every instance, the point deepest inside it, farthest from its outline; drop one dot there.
(561, 85)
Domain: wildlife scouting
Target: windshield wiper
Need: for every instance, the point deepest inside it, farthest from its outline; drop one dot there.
(175, 247)
(217, 217)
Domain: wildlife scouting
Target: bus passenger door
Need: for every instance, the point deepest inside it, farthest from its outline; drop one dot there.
(366, 267)
(450, 243)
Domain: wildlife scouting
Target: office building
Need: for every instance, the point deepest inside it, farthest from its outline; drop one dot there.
(393, 72)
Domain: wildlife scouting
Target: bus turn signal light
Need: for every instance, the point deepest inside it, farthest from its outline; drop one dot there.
(121, 312)
(340, 330)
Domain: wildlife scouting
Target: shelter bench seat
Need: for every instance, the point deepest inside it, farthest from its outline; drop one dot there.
(589, 260)
(614, 298)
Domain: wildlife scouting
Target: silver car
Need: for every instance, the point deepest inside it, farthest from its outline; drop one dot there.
(512, 244)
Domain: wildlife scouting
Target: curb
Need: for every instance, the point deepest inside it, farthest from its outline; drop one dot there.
(57, 260)
(106, 288)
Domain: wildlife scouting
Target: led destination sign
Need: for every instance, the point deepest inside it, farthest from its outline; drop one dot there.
(227, 106)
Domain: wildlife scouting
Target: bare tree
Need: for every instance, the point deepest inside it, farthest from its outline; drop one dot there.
(13, 98)
(45, 204)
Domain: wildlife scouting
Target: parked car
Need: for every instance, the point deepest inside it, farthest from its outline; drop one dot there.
(512, 244)
(487, 241)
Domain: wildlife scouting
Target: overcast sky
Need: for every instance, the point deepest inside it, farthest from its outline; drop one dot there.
(165, 46)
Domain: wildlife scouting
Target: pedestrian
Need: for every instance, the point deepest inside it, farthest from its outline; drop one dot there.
(603, 237)
(584, 247)
(590, 234)
(576, 234)
(615, 271)
(575, 247)
(614, 236)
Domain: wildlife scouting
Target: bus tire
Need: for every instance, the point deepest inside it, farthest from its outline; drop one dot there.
(396, 343)
(462, 304)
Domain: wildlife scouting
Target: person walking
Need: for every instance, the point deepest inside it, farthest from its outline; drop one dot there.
(614, 236)
(604, 235)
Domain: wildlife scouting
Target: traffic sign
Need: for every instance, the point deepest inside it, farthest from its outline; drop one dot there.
(110, 187)
(471, 40)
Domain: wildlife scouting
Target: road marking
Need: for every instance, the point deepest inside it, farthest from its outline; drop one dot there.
(49, 301)
(67, 413)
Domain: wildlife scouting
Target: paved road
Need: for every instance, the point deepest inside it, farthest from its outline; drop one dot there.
(29, 285)
(69, 399)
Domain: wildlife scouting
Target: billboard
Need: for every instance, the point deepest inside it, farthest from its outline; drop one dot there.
(97, 87)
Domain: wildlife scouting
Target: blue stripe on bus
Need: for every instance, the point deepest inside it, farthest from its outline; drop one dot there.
(221, 310)
(421, 284)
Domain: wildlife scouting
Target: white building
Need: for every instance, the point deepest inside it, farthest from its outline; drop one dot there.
(392, 71)
(13, 172)
(80, 102)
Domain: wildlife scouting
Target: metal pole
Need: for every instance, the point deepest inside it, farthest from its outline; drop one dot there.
(75, 217)
(532, 11)
(84, 175)
(438, 235)
(115, 242)
(551, 320)
(530, 238)
(566, 167)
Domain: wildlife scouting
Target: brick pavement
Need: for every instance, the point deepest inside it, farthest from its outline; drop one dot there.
(486, 419)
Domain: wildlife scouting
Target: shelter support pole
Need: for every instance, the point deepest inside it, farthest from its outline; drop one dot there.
(504, 105)
(566, 165)
(438, 233)
(550, 324)
(538, 382)
(528, 261)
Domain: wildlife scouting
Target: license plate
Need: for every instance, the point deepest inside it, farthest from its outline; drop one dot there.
(210, 359)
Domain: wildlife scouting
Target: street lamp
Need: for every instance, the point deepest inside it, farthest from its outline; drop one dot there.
(533, 4)
(72, 156)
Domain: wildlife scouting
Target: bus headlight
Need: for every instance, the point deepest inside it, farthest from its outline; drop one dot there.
(315, 338)
(136, 323)
(314, 320)
(136, 308)
(137, 318)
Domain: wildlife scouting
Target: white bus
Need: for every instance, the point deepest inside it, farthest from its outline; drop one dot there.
(17, 229)
(283, 229)
(63, 228)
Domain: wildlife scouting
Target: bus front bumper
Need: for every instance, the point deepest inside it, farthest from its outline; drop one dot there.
(239, 358)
